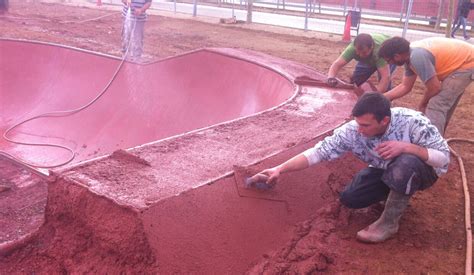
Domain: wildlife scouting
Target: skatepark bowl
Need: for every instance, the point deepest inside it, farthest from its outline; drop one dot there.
(152, 183)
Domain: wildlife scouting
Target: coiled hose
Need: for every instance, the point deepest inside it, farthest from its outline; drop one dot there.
(61, 114)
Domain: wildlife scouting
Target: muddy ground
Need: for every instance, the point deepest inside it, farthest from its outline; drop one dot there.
(432, 234)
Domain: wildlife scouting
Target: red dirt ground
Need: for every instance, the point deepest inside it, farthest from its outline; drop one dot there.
(431, 237)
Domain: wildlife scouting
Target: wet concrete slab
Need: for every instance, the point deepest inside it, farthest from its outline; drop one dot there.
(177, 196)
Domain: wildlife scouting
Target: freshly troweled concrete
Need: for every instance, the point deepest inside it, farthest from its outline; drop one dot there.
(172, 205)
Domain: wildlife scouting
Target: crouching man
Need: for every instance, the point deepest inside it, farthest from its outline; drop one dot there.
(404, 151)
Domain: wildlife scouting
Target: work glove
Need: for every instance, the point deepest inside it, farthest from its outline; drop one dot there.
(332, 81)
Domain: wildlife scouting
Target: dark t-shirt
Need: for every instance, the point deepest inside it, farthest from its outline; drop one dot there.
(465, 8)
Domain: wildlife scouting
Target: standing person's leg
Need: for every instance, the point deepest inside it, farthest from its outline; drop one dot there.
(365, 189)
(456, 25)
(126, 33)
(455, 20)
(137, 39)
(463, 22)
(404, 176)
(441, 107)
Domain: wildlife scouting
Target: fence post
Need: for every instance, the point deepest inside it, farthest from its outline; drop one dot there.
(440, 14)
(249, 11)
(407, 18)
(450, 18)
(306, 2)
(233, 13)
(402, 10)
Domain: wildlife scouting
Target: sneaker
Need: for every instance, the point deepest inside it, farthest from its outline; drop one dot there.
(452, 36)
(466, 38)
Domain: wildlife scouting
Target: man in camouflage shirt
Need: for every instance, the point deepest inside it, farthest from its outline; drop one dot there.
(405, 153)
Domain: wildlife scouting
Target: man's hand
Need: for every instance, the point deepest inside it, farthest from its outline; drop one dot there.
(391, 149)
(296, 163)
(332, 81)
(273, 174)
(137, 12)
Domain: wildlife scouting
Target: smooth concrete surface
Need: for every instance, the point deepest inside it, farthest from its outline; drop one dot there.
(144, 103)
(186, 203)
(172, 205)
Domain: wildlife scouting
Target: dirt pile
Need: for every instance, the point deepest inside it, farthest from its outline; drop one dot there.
(83, 241)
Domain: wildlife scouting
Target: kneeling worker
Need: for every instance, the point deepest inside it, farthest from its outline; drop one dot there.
(405, 153)
(364, 49)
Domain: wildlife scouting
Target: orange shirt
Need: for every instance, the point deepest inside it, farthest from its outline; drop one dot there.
(450, 54)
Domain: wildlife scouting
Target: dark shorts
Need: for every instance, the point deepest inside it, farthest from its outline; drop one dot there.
(363, 72)
(406, 174)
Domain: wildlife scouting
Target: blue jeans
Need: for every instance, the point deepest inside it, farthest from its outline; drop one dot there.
(461, 21)
(406, 174)
(363, 72)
